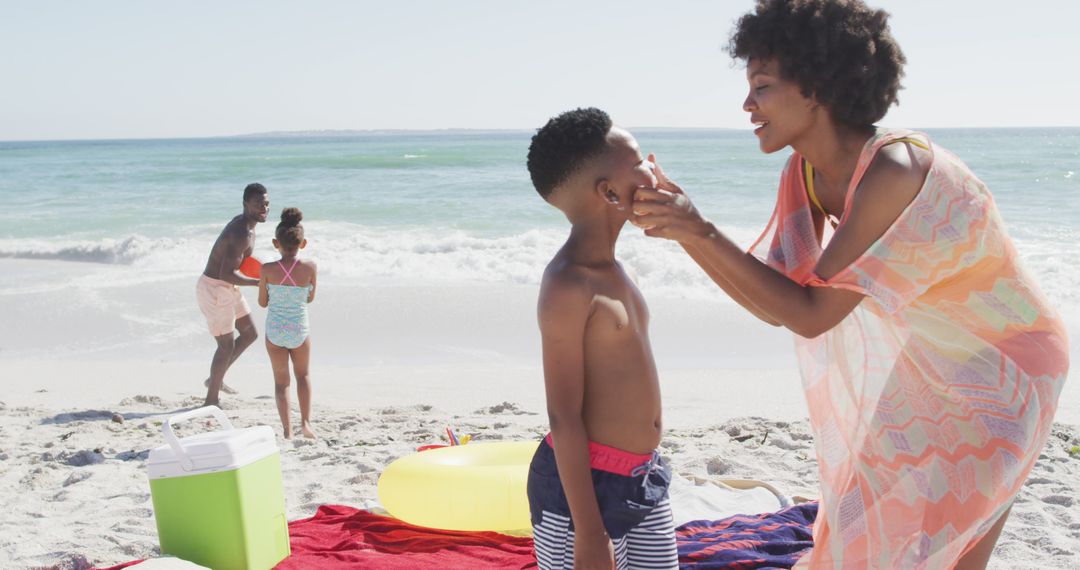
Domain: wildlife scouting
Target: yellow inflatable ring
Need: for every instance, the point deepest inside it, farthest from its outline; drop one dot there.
(479, 486)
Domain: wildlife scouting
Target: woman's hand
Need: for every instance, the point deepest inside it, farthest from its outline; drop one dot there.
(667, 211)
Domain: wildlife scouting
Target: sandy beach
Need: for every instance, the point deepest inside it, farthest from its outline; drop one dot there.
(405, 133)
(76, 493)
(77, 420)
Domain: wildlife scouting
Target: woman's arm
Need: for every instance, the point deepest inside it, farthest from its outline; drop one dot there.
(703, 261)
(890, 184)
(806, 311)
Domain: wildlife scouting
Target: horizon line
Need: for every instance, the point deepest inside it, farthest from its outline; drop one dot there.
(330, 133)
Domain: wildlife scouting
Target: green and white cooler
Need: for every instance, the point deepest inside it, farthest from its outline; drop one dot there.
(218, 498)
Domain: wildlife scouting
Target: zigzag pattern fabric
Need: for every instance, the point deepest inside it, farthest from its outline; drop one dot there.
(932, 400)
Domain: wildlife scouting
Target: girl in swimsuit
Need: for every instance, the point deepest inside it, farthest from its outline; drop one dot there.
(286, 286)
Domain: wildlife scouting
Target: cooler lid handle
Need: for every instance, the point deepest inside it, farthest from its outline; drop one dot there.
(174, 442)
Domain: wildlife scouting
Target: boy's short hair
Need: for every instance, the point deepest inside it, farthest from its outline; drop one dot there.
(560, 147)
(253, 189)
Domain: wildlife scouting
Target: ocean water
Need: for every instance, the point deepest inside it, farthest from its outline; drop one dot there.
(406, 209)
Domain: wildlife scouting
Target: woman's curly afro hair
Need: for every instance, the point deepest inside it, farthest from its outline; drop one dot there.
(839, 51)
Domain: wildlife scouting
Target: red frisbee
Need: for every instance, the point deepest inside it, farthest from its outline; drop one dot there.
(251, 267)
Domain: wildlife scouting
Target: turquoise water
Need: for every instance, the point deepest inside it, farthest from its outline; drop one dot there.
(454, 205)
(471, 181)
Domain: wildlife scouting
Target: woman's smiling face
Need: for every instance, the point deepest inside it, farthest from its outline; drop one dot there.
(776, 105)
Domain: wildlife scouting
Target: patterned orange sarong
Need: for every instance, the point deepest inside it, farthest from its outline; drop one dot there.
(931, 401)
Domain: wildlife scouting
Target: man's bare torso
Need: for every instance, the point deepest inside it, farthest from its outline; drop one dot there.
(222, 262)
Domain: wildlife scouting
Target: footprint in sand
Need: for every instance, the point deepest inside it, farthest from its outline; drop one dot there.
(140, 513)
(784, 442)
(312, 492)
(133, 455)
(301, 442)
(801, 436)
(670, 445)
(364, 465)
(1062, 500)
(76, 477)
(149, 399)
(82, 458)
(360, 479)
(717, 466)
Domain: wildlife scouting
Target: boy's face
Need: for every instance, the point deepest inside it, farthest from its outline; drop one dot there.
(627, 169)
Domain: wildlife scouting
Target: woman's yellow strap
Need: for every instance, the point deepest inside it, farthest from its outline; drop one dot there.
(915, 142)
(808, 172)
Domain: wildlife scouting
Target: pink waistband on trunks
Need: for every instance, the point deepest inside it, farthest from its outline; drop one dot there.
(613, 460)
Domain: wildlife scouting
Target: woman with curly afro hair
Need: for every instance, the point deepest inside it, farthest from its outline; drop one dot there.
(930, 360)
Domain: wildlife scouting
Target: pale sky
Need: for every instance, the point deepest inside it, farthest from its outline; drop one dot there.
(141, 69)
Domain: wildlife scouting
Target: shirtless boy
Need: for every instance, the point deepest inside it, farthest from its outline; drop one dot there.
(218, 289)
(598, 490)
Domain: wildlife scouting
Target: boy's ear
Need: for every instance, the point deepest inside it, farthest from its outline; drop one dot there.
(607, 191)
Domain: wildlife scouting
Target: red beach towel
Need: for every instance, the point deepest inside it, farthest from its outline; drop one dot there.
(344, 537)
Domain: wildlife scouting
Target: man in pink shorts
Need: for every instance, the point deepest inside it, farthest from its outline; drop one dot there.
(218, 289)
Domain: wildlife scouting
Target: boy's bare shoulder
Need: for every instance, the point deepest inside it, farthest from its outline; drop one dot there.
(562, 276)
(565, 287)
(630, 272)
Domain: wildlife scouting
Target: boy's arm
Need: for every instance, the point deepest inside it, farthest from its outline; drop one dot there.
(264, 295)
(563, 310)
(314, 274)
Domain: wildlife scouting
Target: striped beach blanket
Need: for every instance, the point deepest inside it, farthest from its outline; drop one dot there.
(744, 542)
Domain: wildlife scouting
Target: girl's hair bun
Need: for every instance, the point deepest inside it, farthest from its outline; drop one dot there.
(289, 232)
(291, 216)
